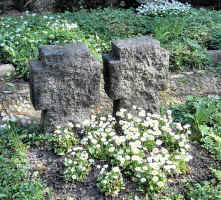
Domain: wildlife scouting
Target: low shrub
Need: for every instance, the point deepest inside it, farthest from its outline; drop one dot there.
(204, 26)
(204, 191)
(163, 8)
(105, 25)
(186, 55)
(214, 41)
(148, 148)
(168, 29)
(204, 115)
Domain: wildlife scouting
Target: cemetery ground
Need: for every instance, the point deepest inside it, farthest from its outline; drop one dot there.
(76, 166)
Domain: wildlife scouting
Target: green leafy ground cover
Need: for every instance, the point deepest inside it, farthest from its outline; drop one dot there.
(186, 37)
(16, 180)
(204, 115)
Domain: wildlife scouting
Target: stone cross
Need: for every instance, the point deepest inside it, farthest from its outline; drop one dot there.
(134, 72)
(64, 83)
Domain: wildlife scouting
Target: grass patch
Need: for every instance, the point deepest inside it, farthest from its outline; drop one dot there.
(16, 179)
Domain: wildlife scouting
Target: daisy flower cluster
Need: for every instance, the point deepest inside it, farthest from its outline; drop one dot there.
(111, 183)
(147, 148)
(64, 139)
(77, 166)
(163, 8)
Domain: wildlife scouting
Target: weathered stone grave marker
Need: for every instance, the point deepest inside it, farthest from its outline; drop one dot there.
(133, 73)
(64, 83)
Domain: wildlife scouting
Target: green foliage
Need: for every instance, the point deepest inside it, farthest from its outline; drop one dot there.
(186, 55)
(63, 140)
(212, 142)
(111, 182)
(168, 29)
(217, 118)
(217, 174)
(170, 195)
(184, 42)
(187, 38)
(112, 24)
(204, 25)
(204, 192)
(77, 166)
(184, 37)
(204, 116)
(22, 36)
(125, 155)
(16, 181)
(214, 41)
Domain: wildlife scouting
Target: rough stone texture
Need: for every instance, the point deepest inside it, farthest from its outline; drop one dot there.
(136, 69)
(215, 56)
(6, 69)
(64, 83)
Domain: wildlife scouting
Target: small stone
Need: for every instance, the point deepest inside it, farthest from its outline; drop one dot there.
(6, 70)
